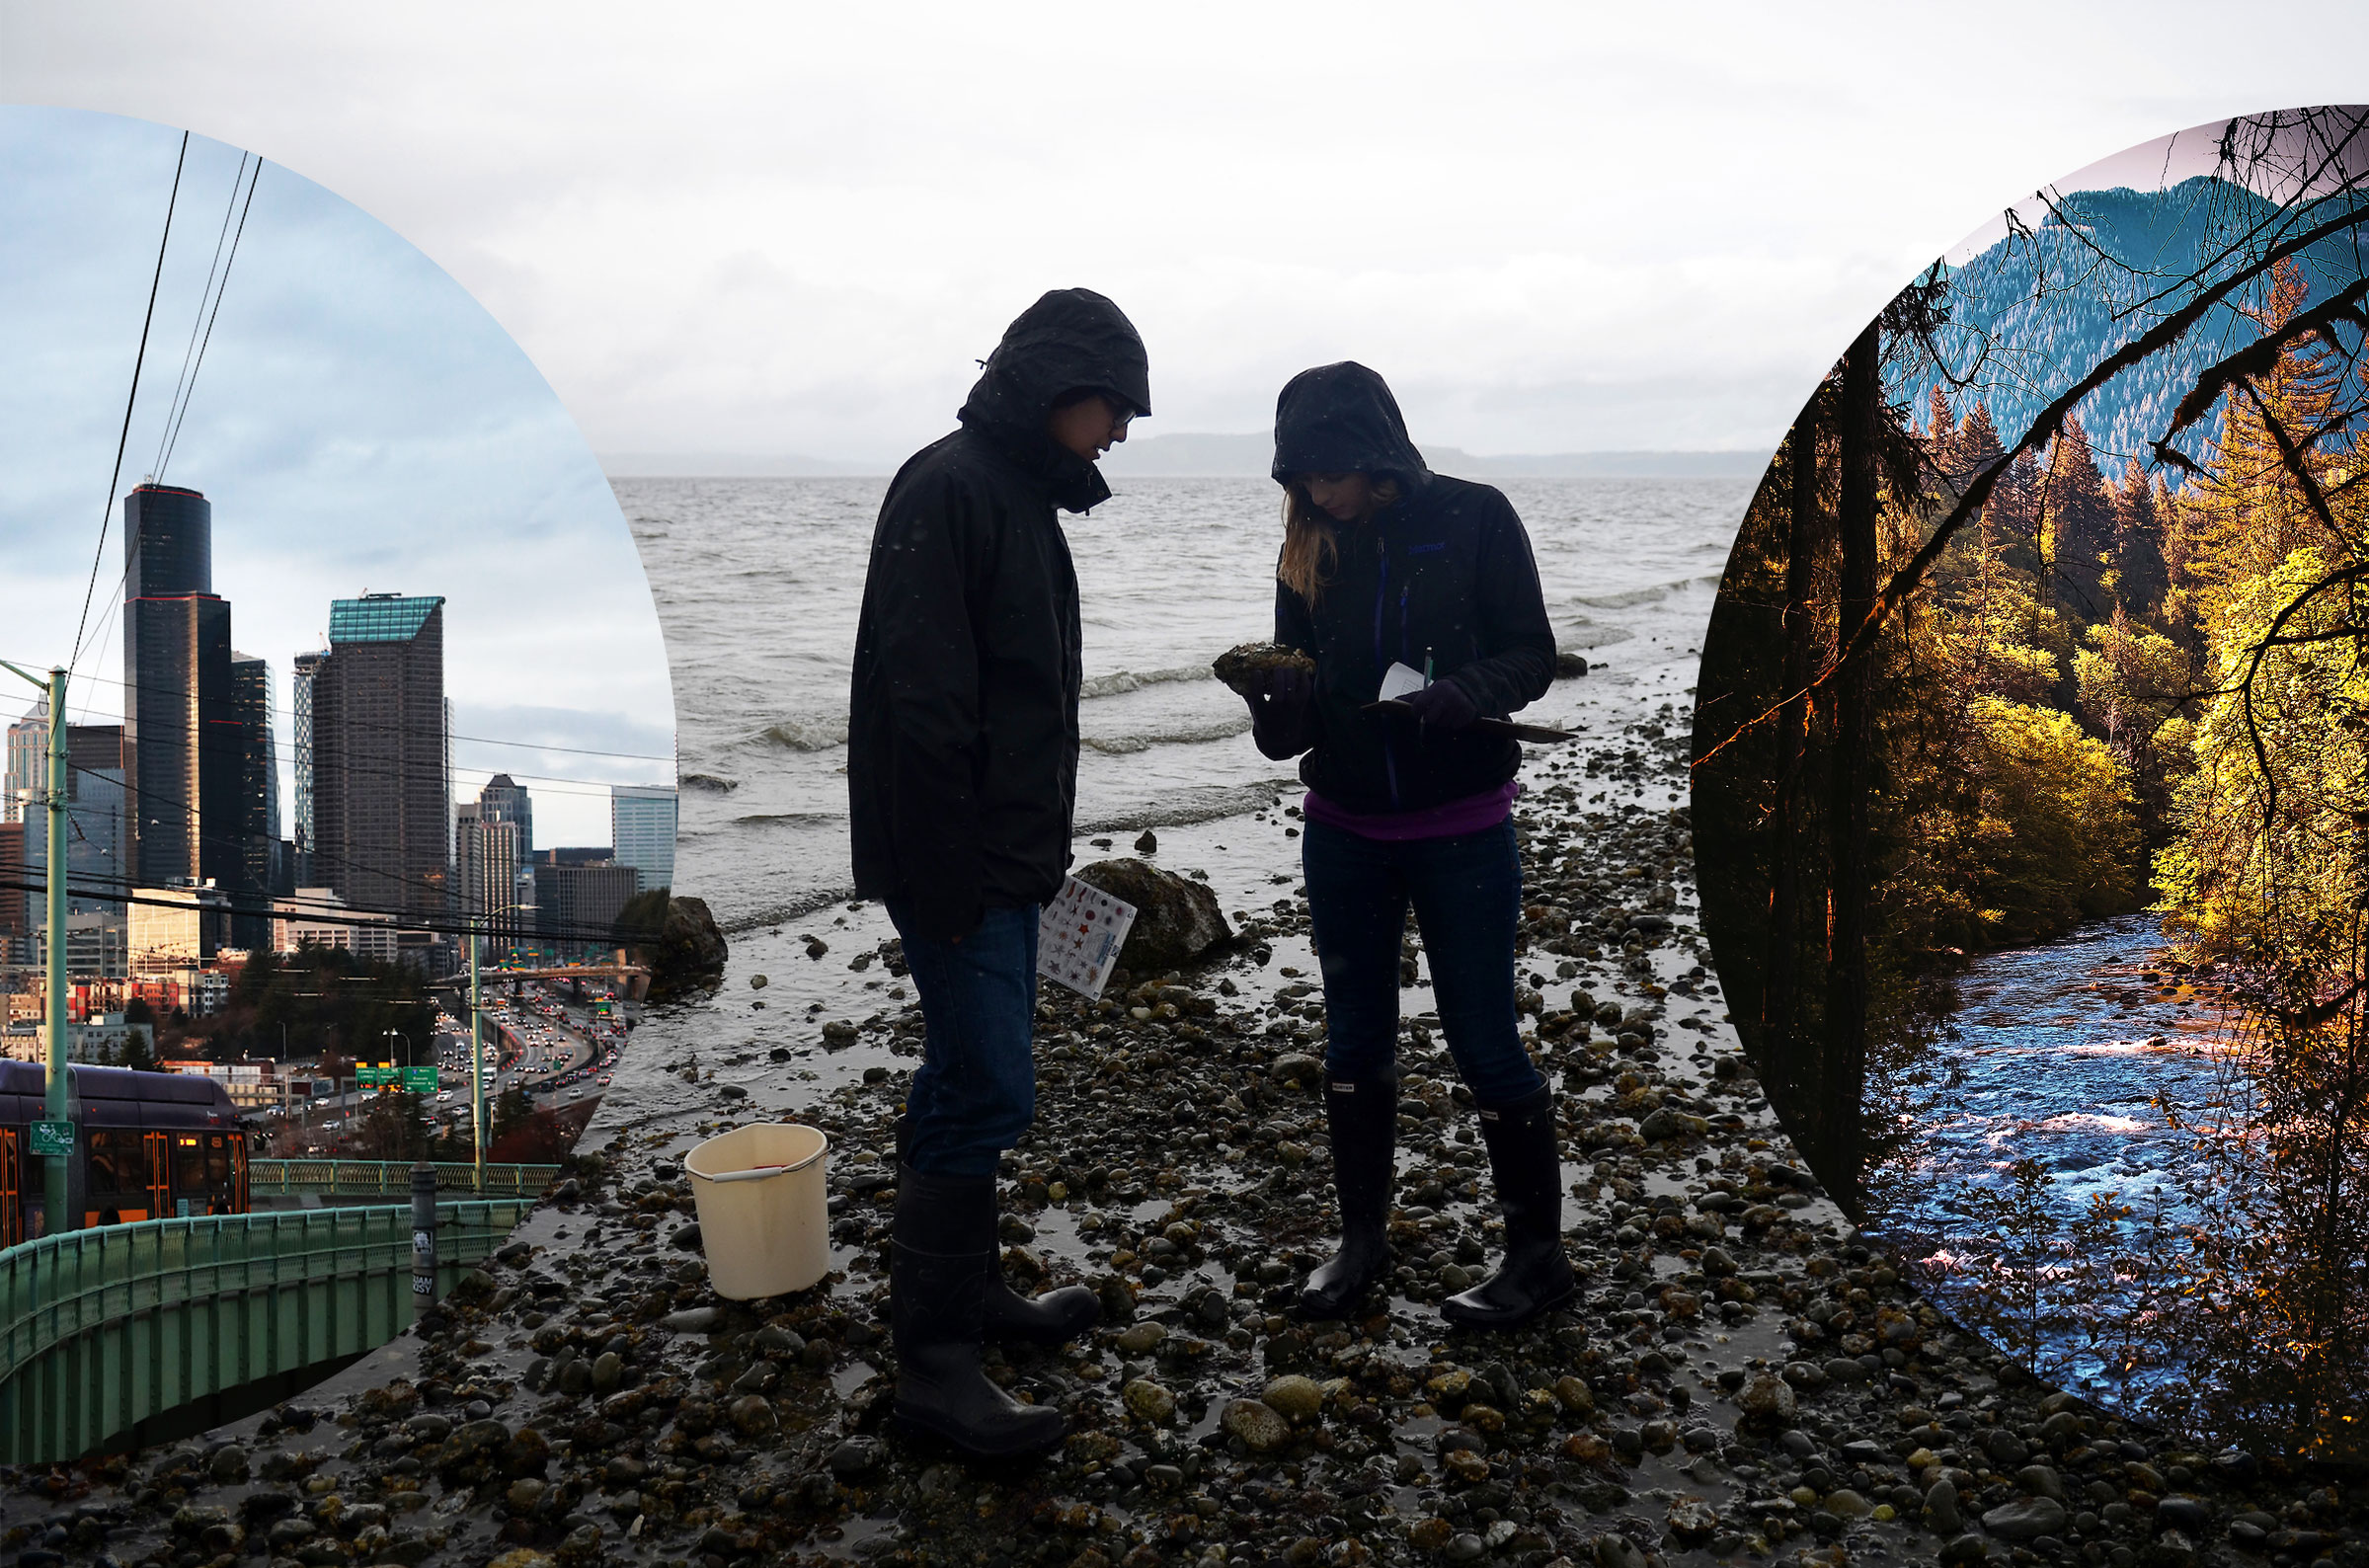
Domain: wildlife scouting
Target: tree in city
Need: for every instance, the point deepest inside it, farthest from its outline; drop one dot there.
(391, 1127)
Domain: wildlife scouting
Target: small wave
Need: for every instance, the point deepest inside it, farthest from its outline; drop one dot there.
(1629, 599)
(2080, 1119)
(1181, 735)
(807, 734)
(1121, 681)
(801, 818)
(709, 781)
(780, 913)
(1205, 802)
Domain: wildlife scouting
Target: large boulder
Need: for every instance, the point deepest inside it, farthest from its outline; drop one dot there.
(689, 953)
(1177, 918)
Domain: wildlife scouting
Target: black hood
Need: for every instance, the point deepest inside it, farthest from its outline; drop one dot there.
(1071, 337)
(1340, 419)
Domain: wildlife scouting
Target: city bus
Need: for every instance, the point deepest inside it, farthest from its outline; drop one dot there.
(149, 1145)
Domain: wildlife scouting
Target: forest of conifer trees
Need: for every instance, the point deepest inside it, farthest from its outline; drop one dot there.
(1967, 690)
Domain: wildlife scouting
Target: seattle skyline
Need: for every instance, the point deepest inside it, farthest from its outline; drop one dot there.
(359, 424)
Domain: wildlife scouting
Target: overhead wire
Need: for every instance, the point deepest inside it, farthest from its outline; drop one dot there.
(350, 915)
(156, 463)
(194, 369)
(124, 439)
(289, 713)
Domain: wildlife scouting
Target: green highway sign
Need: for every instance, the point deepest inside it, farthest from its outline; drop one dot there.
(420, 1080)
(374, 1077)
(54, 1138)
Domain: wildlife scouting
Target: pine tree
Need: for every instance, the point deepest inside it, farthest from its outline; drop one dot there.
(2141, 575)
(2250, 513)
(2078, 526)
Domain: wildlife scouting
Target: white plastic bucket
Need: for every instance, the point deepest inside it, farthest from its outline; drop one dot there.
(759, 1192)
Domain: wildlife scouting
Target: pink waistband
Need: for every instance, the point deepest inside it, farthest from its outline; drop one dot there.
(1448, 819)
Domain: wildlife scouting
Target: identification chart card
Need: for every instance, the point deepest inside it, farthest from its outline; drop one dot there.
(1079, 936)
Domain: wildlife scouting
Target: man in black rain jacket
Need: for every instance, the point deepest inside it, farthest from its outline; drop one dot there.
(962, 778)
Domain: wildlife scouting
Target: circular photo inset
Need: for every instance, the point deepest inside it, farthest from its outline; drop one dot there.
(2032, 777)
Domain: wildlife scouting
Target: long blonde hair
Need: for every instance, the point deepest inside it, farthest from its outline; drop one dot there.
(1312, 544)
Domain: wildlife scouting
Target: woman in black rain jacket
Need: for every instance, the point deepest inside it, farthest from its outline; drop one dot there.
(1387, 564)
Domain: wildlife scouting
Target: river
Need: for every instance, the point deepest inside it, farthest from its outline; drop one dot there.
(2065, 1054)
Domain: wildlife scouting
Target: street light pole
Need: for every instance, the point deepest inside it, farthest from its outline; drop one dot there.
(54, 1106)
(476, 1062)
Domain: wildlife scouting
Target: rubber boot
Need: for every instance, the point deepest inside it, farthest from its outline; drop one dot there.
(1363, 1119)
(1536, 1276)
(937, 1298)
(1008, 1316)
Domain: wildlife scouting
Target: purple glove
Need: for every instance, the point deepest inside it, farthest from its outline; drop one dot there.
(1442, 706)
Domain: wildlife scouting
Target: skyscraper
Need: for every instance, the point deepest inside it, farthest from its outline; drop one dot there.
(641, 824)
(256, 824)
(505, 800)
(381, 780)
(301, 754)
(28, 765)
(15, 917)
(485, 880)
(181, 736)
(95, 875)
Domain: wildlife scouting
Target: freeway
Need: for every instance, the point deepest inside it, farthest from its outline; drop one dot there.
(557, 1048)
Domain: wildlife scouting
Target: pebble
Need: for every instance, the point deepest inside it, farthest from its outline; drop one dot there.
(1148, 1401)
(853, 1458)
(1258, 1425)
(2025, 1519)
(1293, 1397)
(1140, 1339)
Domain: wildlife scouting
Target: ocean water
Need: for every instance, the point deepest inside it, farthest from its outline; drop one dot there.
(759, 582)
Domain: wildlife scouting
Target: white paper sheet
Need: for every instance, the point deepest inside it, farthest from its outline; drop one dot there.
(1079, 936)
(1399, 680)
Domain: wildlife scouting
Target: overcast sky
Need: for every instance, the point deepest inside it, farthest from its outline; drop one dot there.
(1553, 227)
(359, 425)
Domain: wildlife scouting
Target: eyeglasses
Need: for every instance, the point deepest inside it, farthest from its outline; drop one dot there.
(1122, 413)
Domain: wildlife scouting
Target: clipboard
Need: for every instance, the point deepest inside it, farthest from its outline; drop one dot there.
(1534, 734)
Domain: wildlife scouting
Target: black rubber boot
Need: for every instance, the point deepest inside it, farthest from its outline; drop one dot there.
(1006, 1316)
(937, 1298)
(1536, 1276)
(1363, 1119)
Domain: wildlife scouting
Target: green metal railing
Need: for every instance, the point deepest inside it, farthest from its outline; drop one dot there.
(371, 1178)
(102, 1329)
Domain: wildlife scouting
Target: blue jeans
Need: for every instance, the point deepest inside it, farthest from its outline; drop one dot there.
(975, 1090)
(1468, 896)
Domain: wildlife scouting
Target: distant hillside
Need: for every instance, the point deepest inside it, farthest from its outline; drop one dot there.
(730, 465)
(2048, 310)
(1185, 455)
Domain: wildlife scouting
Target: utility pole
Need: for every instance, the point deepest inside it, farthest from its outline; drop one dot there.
(55, 1109)
(476, 1062)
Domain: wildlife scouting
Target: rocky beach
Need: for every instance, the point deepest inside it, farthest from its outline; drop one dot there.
(1740, 1379)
